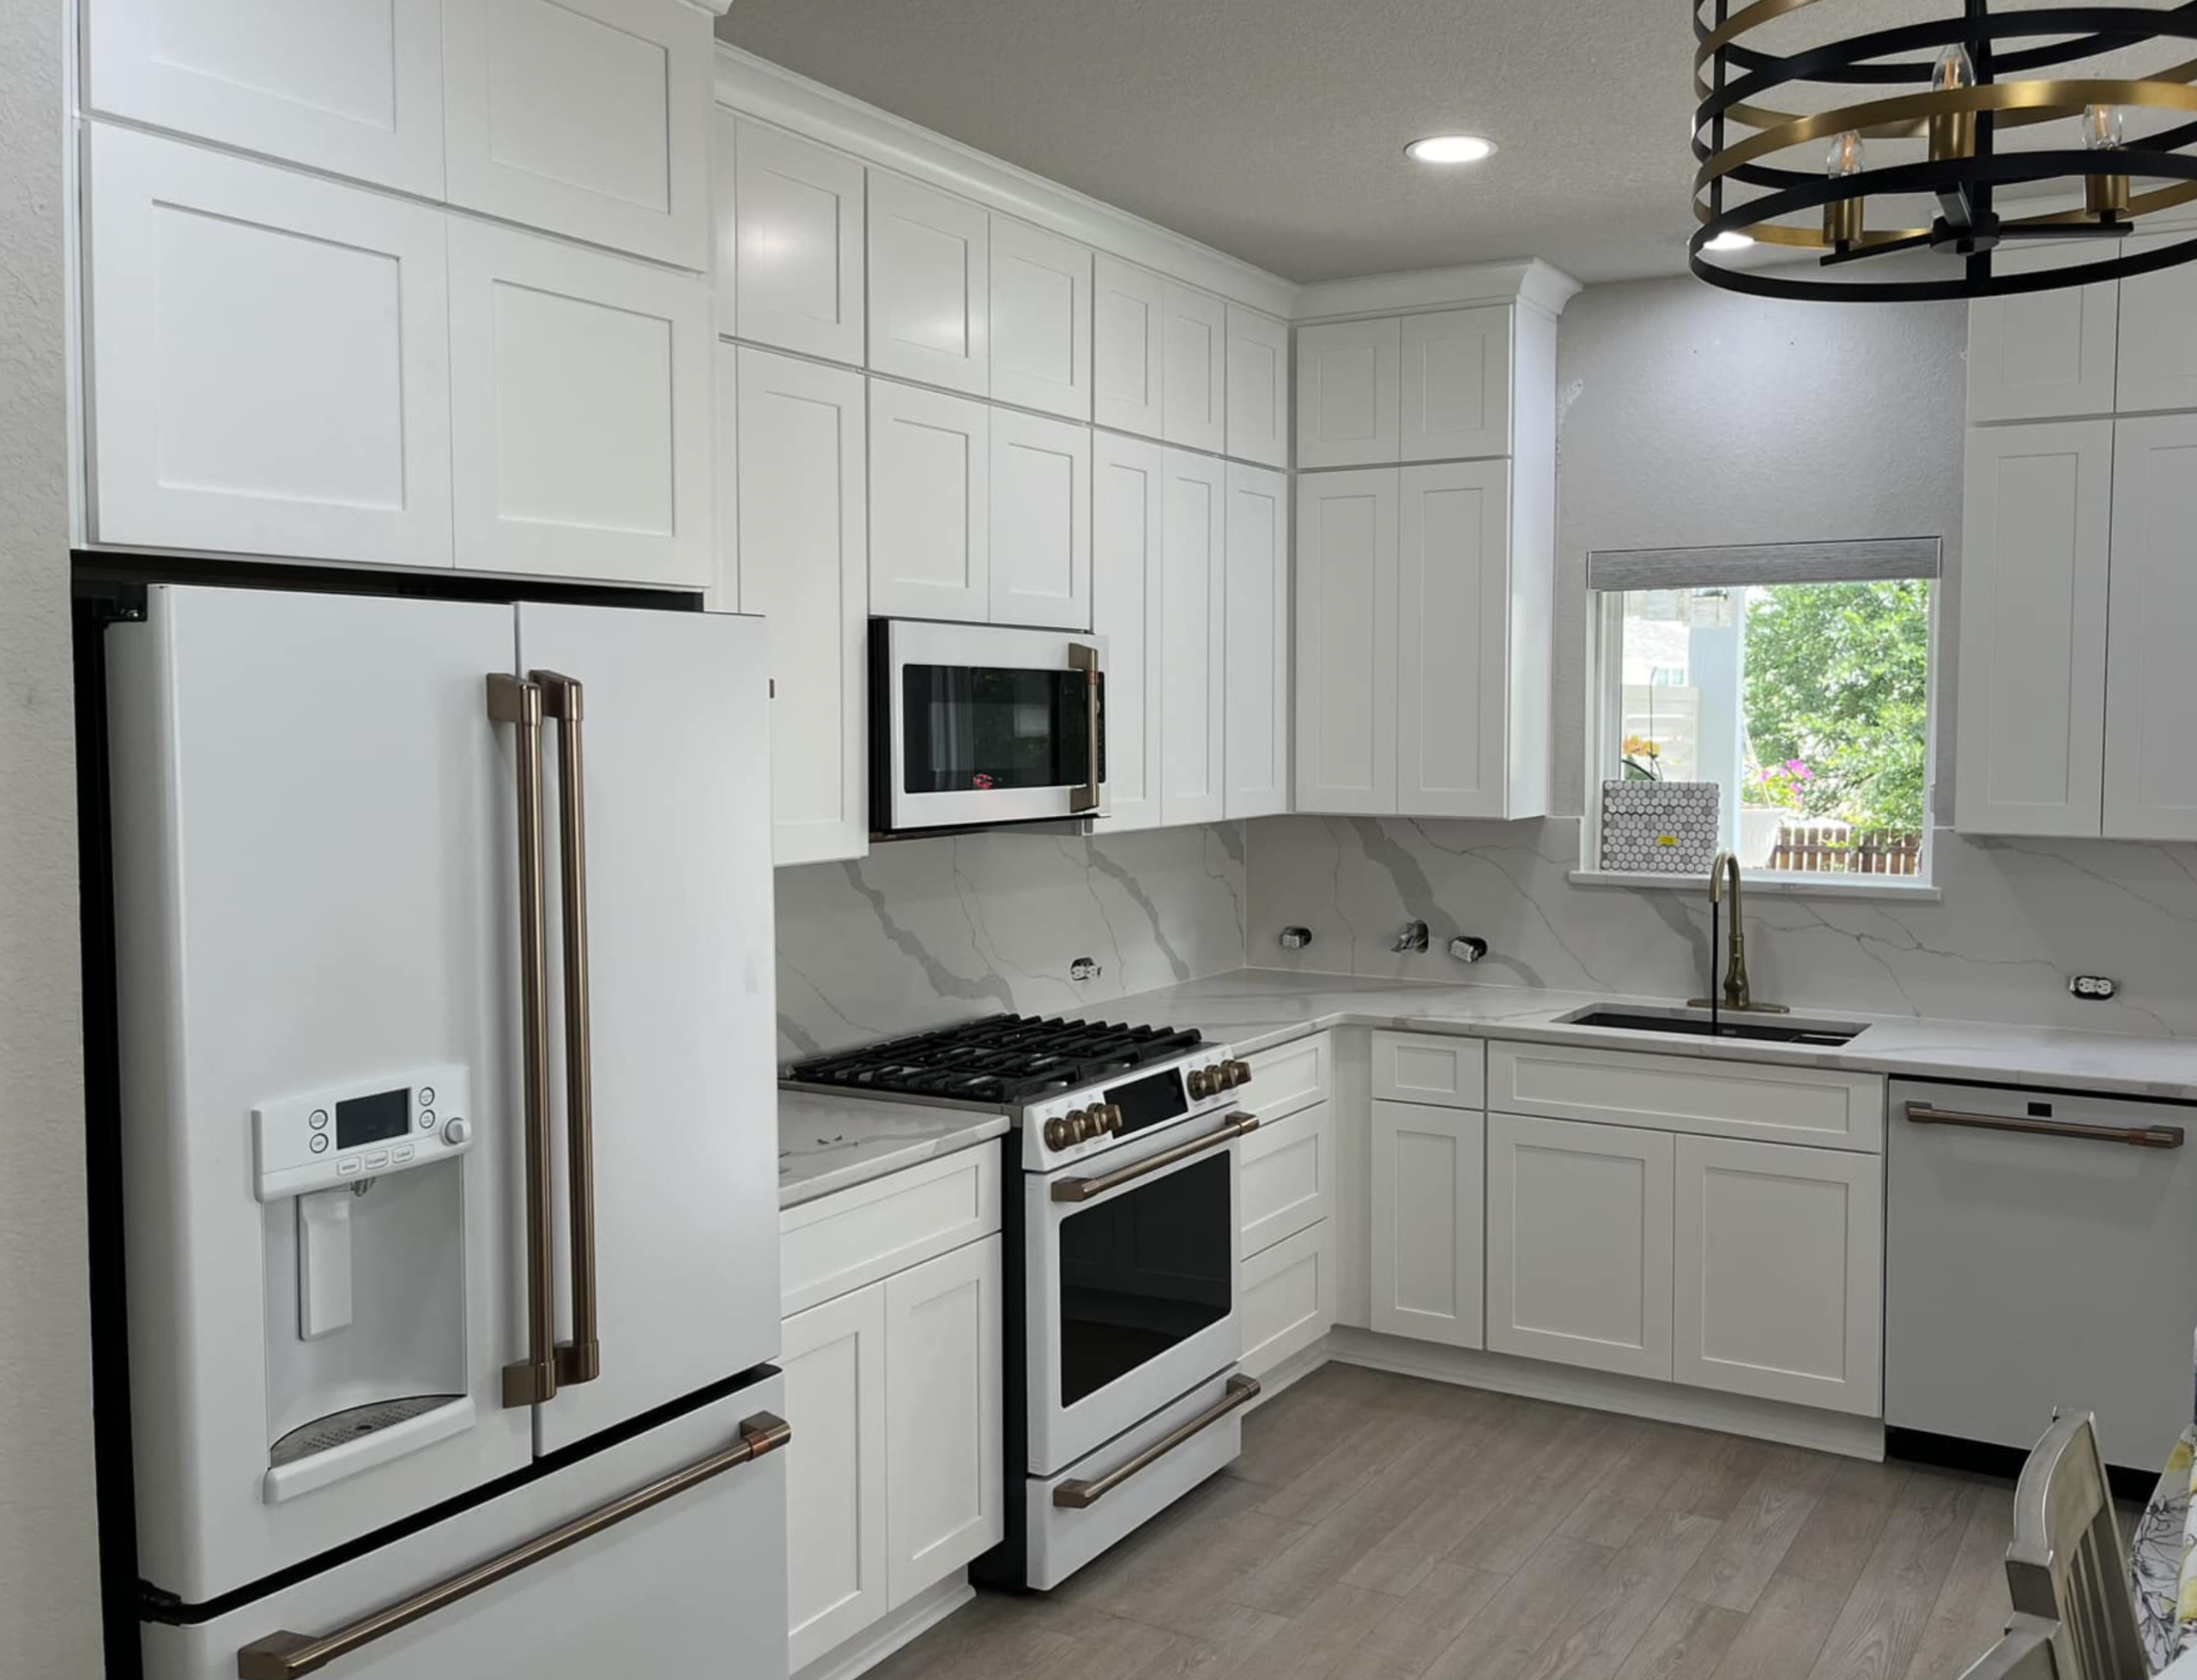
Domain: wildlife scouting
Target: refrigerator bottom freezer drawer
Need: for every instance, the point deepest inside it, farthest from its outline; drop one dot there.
(694, 1584)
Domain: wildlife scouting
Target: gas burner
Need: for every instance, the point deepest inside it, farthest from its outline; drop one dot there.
(1003, 1060)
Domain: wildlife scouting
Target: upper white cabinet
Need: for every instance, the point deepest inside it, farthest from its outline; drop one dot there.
(803, 566)
(1456, 384)
(1128, 346)
(2043, 355)
(2150, 692)
(790, 273)
(1257, 661)
(929, 504)
(1349, 393)
(1193, 645)
(588, 118)
(1428, 1190)
(1258, 387)
(1453, 702)
(351, 87)
(930, 286)
(580, 401)
(1194, 400)
(1346, 710)
(269, 369)
(1127, 594)
(2157, 354)
(1040, 320)
(1040, 545)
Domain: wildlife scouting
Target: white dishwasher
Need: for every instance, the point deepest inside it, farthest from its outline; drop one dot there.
(2041, 1251)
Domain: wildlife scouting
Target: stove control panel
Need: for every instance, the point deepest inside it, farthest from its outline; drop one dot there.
(1098, 1117)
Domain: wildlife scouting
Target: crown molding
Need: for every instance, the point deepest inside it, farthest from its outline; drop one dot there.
(1529, 281)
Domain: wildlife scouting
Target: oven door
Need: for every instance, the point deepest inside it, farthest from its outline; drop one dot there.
(976, 724)
(1134, 1285)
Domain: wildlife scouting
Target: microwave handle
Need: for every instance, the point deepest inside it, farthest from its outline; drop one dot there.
(1085, 659)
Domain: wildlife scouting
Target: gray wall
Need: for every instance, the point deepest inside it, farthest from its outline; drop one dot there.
(48, 1623)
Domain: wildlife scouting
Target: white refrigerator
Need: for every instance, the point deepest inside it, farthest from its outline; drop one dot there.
(443, 978)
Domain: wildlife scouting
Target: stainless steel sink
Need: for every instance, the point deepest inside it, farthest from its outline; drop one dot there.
(1696, 1024)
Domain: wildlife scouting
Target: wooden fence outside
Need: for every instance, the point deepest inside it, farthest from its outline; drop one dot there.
(1833, 849)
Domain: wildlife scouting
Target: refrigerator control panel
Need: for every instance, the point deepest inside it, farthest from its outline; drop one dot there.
(347, 1134)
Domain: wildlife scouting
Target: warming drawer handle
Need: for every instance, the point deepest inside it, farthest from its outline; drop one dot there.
(2136, 1137)
(1085, 659)
(284, 1656)
(1080, 1496)
(1084, 1189)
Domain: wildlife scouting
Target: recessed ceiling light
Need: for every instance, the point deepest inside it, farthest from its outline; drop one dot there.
(1729, 242)
(1450, 148)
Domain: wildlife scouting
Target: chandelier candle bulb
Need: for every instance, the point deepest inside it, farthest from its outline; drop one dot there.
(2105, 129)
(1843, 219)
(1953, 133)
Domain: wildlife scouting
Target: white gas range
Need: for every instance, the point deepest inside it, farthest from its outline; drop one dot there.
(1123, 1322)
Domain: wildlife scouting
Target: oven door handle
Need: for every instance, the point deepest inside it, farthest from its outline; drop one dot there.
(1087, 1190)
(1077, 1495)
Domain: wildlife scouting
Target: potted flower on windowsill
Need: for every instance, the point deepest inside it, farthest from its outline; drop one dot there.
(1642, 759)
(1773, 793)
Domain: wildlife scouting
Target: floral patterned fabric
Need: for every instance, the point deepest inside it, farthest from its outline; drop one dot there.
(2162, 1563)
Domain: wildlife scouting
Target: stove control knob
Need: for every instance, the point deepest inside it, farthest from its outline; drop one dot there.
(1224, 1075)
(1110, 1117)
(1201, 1082)
(1057, 1135)
(1240, 1072)
(1081, 1127)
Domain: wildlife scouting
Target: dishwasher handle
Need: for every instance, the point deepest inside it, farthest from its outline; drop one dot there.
(2136, 1137)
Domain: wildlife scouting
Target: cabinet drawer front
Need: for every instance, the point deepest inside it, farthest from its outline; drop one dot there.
(840, 1243)
(1731, 1099)
(1285, 1179)
(1420, 1067)
(1291, 1076)
(1289, 1298)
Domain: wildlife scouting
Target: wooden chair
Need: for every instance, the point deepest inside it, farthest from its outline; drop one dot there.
(2074, 1618)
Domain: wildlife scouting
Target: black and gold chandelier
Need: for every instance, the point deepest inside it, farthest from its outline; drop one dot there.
(1980, 129)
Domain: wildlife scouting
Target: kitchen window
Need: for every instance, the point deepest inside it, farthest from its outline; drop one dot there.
(1795, 677)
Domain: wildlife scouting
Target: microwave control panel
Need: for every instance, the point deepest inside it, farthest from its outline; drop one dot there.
(347, 1134)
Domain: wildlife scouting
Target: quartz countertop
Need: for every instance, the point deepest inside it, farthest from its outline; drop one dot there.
(829, 1143)
(1256, 1009)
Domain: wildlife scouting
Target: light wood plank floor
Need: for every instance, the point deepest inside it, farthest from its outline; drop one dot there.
(1378, 1527)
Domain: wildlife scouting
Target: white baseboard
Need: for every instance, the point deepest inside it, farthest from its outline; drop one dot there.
(1291, 1370)
(875, 1643)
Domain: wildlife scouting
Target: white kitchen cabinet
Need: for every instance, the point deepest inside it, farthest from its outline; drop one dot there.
(1347, 632)
(351, 87)
(2037, 529)
(1194, 370)
(1288, 1298)
(1040, 320)
(945, 1485)
(930, 286)
(1285, 1177)
(1456, 384)
(1127, 477)
(588, 118)
(1128, 347)
(833, 1359)
(1040, 543)
(804, 566)
(2150, 692)
(1429, 1189)
(580, 396)
(2157, 337)
(1579, 1244)
(1258, 387)
(929, 504)
(1256, 665)
(270, 359)
(1349, 393)
(1193, 676)
(1453, 704)
(1428, 1067)
(1779, 1273)
(791, 274)
(2043, 355)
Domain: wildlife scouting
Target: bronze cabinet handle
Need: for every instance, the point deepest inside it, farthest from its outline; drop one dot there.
(1083, 1189)
(533, 1379)
(284, 1656)
(1080, 1496)
(2136, 1137)
(563, 698)
(1085, 659)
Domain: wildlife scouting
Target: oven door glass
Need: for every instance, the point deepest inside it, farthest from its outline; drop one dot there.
(980, 728)
(1143, 1272)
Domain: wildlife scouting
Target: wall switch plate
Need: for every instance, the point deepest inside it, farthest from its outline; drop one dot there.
(1084, 969)
(2094, 988)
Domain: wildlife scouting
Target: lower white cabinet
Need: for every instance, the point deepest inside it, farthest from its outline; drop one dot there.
(1429, 1189)
(1579, 1244)
(1779, 1273)
(1286, 1177)
(1289, 1298)
(836, 1571)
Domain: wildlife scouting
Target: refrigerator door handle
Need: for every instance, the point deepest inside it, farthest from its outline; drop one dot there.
(533, 1379)
(563, 698)
(284, 1656)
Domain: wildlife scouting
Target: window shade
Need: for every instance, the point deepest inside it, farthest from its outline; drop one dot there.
(1624, 569)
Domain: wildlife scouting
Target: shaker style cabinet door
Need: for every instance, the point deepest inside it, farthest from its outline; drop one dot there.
(2157, 337)
(1193, 402)
(351, 87)
(929, 504)
(587, 118)
(791, 272)
(1346, 641)
(1258, 387)
(2043, 355)
(1127, 483)
(1041, 320)
(1128, 347)
(270, 359)
(930, 286)
(1041, 522)
(1456, 384)
(1194, 649)
(1349, 401)
(835, 1554)
(1256, 665)
(1429, 1194)
(1453, 623)
(2150, 683)
(580, 397)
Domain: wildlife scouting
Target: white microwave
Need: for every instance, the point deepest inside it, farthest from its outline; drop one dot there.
(972, 725)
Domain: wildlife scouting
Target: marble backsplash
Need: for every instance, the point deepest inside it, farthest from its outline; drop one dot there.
(923, 932)
(2016, 919)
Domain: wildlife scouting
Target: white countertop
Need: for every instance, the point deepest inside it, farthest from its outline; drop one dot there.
(829, 1143)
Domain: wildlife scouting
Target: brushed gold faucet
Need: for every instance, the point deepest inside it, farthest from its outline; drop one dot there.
(1738, 995)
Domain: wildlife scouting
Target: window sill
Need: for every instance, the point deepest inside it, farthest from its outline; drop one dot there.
(1912, 892)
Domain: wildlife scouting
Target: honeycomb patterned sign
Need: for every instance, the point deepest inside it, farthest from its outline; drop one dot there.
(1661, 828)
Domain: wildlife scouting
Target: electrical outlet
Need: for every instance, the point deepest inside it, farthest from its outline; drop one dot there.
(1084, 969)
(2094, 988)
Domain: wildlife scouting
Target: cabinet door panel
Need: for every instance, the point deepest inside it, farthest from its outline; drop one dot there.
(834, 1366)
(588, 118)
(2044, 355)
(270, 359)
(2032, 629)
(2157, 337)
(1127, 588)
(804, 566)
(1041, 522)
(1256, 713)
(1289, 1298)
(2150, 691)
(1429, 1194)
(1128, 347)
(1041, 320)
(1579, 1234)
(1453, 617)
(1258, 387)
(929, 504)
(1349, 394)
(1347, 642)
(1286, 1177)
(1193, 673)
(580, 392)
(793, 274)
(1456, 384)
(1194, 370)
(1780, 1273)
(930, 286)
